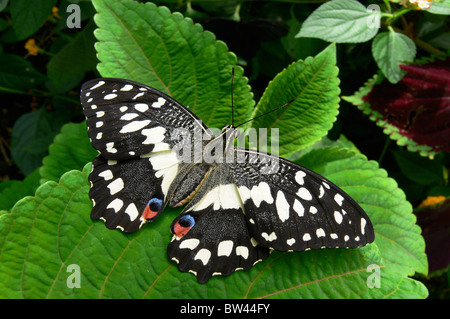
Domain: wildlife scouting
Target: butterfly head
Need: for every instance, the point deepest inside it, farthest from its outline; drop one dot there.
(183, 225)
(151, 211)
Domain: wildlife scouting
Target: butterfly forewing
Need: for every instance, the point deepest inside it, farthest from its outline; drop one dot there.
(295, 208)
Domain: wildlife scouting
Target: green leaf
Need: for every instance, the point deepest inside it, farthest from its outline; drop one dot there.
(151, 45)
(28, 16)
(32, 134)
(71, 149)
(342, 21)
(315, 86)
(65, 75)
(16, 73)
(442, 7)
(16, 190)
(396, 234)
(45, 234)
(420, 170)
(391, 48)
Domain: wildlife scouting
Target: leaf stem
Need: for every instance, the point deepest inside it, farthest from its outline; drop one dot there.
(387, 142)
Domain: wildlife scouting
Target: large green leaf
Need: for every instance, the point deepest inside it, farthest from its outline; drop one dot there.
(45, 234)
(71, 149)
(14, 190)
(32, 134)
(18, 74)
(81, 54)
(314, 85)
(28, 16)
(151, 45)
(342, 21)
(391, 48)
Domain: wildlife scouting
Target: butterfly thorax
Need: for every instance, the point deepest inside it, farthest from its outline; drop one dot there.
(217, 151)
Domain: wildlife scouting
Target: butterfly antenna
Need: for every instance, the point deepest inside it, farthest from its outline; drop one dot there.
(280, 107)
(232, 98)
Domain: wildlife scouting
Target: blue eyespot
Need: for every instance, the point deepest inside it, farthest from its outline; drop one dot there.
(155, 204)
(187, 221)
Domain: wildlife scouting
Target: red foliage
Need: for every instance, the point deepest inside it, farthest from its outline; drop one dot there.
(419, 105)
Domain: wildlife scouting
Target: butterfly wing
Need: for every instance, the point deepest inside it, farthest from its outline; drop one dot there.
(134, 125)
(261, 202)
(211, 236)
(289, 207)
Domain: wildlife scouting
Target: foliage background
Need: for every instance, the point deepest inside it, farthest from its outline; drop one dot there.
(43, 64)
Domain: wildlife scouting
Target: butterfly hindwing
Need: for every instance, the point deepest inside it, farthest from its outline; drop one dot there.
(295, 208)
(211, 236)
(121, 192)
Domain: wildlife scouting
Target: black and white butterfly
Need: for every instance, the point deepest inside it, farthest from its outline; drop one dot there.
(235, 214)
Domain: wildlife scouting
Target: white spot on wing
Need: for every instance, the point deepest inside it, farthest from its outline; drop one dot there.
(166, 166)
(191, 243)
(282, 206)
(299, 177)
(107, 175)
(268, 237)
(110, 96)
(153, 135)
(363, 226)
(138, 95)
(290, 241)
(100, 83)
(110, 148)
(127, 87)
(141, 107)
(134, 126)
(299, 209)
(116, 204)
(321, 191)
(242, 251)
(337, 217)
(338, 199)
(261, 192)
(221, 196)
(320, 233)
(159, 103)
(244, 192)
(303, 193)
(203, 255)
(115, 186)
(132, 211)
(129, 116)
(225, 247)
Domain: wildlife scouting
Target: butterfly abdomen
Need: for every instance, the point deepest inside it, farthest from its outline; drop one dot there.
(189, 185)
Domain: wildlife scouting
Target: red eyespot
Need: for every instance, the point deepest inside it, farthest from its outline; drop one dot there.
(152, 209)
(183, 225)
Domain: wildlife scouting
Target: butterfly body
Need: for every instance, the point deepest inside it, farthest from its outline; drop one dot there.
(240, 203)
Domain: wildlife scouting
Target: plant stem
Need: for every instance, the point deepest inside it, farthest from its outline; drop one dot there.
(383, 151)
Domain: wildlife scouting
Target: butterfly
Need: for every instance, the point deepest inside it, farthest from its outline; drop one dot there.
(238, 209)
